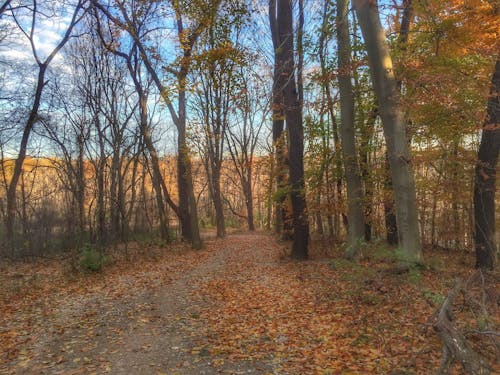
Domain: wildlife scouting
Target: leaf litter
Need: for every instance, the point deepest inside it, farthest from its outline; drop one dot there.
(237, 306)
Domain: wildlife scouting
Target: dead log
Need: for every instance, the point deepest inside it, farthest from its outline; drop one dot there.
(455, 345)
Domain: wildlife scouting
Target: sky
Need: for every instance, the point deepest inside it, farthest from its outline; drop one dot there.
(50, 23)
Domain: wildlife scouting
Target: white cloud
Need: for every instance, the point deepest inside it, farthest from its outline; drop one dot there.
(51, 24)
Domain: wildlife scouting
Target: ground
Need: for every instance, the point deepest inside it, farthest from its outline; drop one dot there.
(239, 306)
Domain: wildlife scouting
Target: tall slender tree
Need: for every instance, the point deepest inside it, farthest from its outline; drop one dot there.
(278, 130)
(391, 113)
(283, 29)
(356, 226)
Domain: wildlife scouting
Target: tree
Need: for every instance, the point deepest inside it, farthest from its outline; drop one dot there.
(353, 181)
(485, 179)
(282, 27)
(391, 226)
(33, 117)
(216, 84)
(200, 14)
(390, 109)
(244, 136)
(135, 68)
(329, 100)
(278, 130)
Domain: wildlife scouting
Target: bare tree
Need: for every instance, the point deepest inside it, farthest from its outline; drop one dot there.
(30, 33)
(252, 107)
(201, 15)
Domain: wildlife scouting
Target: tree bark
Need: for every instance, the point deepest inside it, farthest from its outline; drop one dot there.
(391, 114)
(248, 194)
(188, 213)
(485, 180)
(278, 115)
(391, 226)
(353, 181)
(293, 116)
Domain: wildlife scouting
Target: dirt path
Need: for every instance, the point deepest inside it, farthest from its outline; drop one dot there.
(146, 329)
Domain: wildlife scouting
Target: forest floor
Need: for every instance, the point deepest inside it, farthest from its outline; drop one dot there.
(239, 306)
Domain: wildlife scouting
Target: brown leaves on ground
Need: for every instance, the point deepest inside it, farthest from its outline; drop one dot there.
(325, 316)
(32, 294)
(254, 311)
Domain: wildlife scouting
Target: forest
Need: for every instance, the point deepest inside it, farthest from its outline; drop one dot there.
(249, 186)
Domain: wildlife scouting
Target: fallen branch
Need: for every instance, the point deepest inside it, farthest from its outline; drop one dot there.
(455, 345)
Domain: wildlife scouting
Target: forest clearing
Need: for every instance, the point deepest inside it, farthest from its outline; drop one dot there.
(249, 186)
(239, 306)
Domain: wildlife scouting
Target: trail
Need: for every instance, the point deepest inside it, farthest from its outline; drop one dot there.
(239, 306)
(147, 329)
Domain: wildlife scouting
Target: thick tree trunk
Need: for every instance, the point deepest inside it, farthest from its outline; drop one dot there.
(394, 130)
(389, 212)
(353, 181)
(293, 115)
(485, 180)
(278, 116)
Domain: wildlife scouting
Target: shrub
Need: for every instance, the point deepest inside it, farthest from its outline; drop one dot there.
(92, 260)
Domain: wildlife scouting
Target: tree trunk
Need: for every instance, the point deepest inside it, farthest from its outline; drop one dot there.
(366, 175)
(114, 211)
(389, 212)
(333, 219)
(187, 201)
(278, 116)
(217, 199)
(293, 115)
(247, 189)
(391, 227)
(80, 188)
(353, 181)
(388, 96)
(485, 180)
